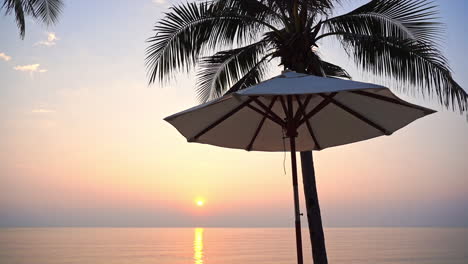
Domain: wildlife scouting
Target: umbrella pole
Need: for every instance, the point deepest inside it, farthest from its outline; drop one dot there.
(297, 214)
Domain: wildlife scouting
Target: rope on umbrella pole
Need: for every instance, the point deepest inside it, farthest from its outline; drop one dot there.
(284, 152)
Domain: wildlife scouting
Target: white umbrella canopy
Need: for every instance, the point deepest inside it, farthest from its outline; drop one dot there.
(326, 112)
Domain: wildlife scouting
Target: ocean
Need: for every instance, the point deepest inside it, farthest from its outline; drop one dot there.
(229, 245)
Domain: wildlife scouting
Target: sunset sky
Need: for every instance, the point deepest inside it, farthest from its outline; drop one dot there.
(83, 141)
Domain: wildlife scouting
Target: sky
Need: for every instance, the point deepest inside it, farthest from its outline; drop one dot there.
(84, 142)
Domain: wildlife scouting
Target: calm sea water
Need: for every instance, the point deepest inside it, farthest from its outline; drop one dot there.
(228, 245)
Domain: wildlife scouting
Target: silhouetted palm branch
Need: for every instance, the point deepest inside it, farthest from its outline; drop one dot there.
(191, 29)
(47, 11)
(391, 18)
(397, 39)
(332, 70)
(219, 72)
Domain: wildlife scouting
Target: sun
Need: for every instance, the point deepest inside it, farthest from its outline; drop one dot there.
(200, 202)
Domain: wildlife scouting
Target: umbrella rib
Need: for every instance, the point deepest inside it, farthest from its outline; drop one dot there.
(221, 119)
(260, 125)
(272, 114)
(272, 118)
(309, 127)
(297, 117)
(283, 104)
(361, 117)
(327, 99)
(392, 100)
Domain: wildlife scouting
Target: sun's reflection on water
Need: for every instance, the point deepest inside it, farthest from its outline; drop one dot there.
(198, 246)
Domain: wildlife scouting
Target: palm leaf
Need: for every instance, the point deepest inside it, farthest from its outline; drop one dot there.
(410, 61)
(332, 70)
(255, 75)
(218, 72)
(406, 19)
(260, 9)
(320, 6)
(47, 10)
(190, 29)
(398, 39)
(17, 7)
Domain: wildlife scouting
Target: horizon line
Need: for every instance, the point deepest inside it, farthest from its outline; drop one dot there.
(214, 227)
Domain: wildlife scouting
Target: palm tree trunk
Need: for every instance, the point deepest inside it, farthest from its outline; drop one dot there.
(314, 218)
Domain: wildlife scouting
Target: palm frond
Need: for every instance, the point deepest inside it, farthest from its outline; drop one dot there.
(323, 7)
(218, 72)
(312, 6)
(47, 10)
(398, 39)
(255, 75)
(190, 29)
(332, 70)
(16, 6)
(259, 9)
(409, 61)
(406, 19)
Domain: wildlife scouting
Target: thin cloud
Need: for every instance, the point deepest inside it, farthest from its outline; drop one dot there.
(4, 57)
(160, 2)
(51, 40)
(42, 111)
(30, 68)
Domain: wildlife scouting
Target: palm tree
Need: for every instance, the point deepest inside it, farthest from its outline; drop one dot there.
(233, 42)
(46, 11)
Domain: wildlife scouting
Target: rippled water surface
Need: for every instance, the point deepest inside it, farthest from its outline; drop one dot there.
(228, 245)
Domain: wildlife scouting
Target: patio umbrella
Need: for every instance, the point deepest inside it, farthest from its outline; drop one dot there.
(313, 112)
